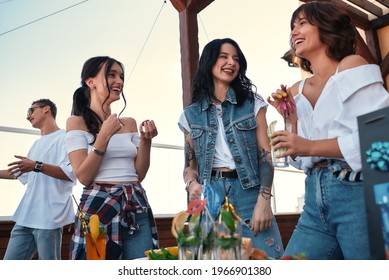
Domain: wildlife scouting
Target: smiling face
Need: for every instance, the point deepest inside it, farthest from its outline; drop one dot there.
(305, 37)
(36, 114)
(111, 84)
(227, 65)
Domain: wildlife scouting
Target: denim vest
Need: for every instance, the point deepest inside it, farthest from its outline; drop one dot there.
(240, 129)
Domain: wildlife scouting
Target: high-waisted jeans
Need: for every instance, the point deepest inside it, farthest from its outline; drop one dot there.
(333, 224)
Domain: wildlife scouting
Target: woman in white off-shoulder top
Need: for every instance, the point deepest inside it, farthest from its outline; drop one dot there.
(325, 140)
(110, 158)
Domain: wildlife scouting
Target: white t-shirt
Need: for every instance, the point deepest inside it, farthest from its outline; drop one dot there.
(223, 156)
(347, 95)
(47, 202)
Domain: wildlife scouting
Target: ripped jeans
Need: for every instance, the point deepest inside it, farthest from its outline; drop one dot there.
(244, 201)
(333, 224)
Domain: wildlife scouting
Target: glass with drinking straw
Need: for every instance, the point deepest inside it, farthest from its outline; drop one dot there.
(229, 228)
(95, 235)
(286, 107)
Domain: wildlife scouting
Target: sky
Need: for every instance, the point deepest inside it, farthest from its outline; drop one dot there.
(44, 43)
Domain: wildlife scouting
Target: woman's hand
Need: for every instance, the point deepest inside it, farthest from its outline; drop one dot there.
(148, 130)
(111, 125)
(282, 100)
(262, 216)
(294, 144)
(194, 190)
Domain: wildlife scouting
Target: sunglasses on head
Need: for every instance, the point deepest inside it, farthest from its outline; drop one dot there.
(32, 109)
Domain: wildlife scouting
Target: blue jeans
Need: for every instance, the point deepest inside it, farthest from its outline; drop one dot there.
(25, 242)
(244, 201)
(137, 242)
(333, 224)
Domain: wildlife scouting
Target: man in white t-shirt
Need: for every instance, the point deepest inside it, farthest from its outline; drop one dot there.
(47, 205)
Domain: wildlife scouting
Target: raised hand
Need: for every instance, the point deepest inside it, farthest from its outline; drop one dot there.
(111, 125)
(283, 101)
(148, 130)
(23, 165)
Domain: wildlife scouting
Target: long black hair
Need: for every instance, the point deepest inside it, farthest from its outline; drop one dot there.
(335, 29)
(81, 97)
(203, 86)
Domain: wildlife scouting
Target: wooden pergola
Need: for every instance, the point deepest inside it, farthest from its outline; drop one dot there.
(366, 15)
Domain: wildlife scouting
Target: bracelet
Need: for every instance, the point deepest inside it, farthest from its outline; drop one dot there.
(187, 184)
(97, 152)
(266, 195)
(38, 166)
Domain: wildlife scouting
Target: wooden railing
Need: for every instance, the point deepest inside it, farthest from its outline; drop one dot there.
(286, 224)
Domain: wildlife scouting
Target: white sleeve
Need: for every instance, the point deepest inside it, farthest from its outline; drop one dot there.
(296, 163)
(353, 92)
(64, 162)
(183, 123)
(76, 140)
(259, 103)
(135, 138)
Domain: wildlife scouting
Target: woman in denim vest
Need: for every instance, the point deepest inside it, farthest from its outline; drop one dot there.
(325, 138)
(226, 144)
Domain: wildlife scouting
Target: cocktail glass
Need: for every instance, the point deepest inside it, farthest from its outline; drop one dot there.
(189, 241)
(230, 241)
(277, 126)
(95, 249)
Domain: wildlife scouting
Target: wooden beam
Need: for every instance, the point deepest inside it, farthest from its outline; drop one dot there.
(194, 5)
(380, 22)
(368, 6)
(358, 18)
(385, 68)
(188, 10)
(180, 5)
(384, 2)
(363, 50)
(371, 41)
(189, 52)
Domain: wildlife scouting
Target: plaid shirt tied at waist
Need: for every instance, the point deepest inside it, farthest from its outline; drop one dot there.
(116, 205)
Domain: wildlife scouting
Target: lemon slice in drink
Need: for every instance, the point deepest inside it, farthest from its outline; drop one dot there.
(178, 222)
(94, 226)
(271, 128)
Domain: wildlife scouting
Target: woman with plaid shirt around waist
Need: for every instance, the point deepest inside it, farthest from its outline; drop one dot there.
(110, 158)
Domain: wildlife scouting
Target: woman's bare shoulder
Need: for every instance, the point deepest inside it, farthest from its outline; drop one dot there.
(129, 124)
(294, 89)
(76, 123)
(351, 61)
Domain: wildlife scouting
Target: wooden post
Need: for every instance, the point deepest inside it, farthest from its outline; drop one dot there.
(188, 10)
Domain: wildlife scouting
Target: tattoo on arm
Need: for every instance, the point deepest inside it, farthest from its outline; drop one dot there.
(263, 155)
(189, 153)
(266, 169)
(265, 189)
